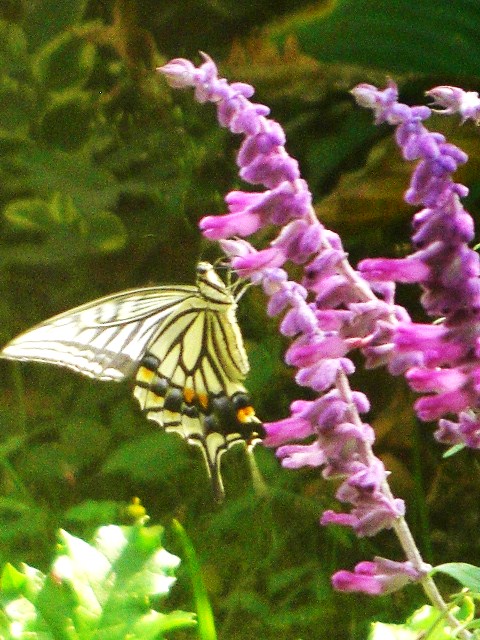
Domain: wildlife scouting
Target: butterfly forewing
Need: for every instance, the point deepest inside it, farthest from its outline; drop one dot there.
(184, 346)
(103, 339)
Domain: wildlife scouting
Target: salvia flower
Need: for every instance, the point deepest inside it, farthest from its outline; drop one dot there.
(379, 577)
(450, 100)
(335, 309)
(440, 360)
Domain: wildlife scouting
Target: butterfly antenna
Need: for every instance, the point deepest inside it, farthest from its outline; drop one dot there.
(239, 288)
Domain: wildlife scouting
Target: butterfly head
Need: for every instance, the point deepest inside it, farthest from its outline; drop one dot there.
(211, 286)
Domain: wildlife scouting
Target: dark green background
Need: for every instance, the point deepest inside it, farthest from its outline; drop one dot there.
(104, 174)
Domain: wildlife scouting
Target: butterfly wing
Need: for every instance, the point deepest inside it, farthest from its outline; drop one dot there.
(190, 381)
(103, 339)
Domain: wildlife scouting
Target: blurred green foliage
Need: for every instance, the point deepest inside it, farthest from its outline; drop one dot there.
(108, 589)
(104, 174)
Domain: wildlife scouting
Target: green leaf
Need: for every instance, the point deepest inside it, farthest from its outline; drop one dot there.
(101, 590)
(385, 34)
(16, 104)
(30, 214)
(106, 232)
(46, 171)
(83, 439)
(27, 582)
(65, 61)
(47, 18)
(13, 47)
(94, 511)
(453, 450)
(20, 520)
(12, 581)
(66, 123)
(155, 456)
(468, 575)
(65, 232)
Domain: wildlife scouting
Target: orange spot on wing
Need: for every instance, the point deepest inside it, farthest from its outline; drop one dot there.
(203, 400)
(245, 414)
(189, 395)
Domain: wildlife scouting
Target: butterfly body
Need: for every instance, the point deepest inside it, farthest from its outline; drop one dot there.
(183, 346)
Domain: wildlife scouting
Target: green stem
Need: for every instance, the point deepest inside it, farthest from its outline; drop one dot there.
(206, 623)
(420, 494)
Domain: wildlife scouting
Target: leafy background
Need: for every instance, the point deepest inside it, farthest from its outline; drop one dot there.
(104, 174)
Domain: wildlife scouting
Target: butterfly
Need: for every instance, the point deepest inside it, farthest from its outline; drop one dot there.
(181, 345)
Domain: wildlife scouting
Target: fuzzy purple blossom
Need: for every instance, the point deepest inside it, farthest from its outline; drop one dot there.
(379, 577)
(450, 100)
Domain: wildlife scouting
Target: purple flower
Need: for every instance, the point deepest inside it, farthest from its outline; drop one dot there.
(239, 224)
(435, 406)
(322, 375)
(345, 310)
(400, 270)
(454, 100)
(298, 240)
(379, 577)
(465, 431)
(438, 359)
(295, 456)
(297, 426)
(370, 515)
(311, 351)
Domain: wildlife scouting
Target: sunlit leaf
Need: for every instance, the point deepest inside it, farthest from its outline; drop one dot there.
(468, 575)
(98, 590)
(94, 511)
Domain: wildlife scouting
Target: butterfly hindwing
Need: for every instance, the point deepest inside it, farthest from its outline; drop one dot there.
(190, 386)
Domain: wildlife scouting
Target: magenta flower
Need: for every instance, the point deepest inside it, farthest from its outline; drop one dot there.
(379, 577)
(465, 431)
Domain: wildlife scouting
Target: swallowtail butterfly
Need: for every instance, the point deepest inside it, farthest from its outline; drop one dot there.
(181, 344)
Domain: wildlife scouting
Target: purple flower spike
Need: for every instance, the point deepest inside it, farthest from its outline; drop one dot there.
(337, 309)
(442, 263)
(345, 310)
(262, 157)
